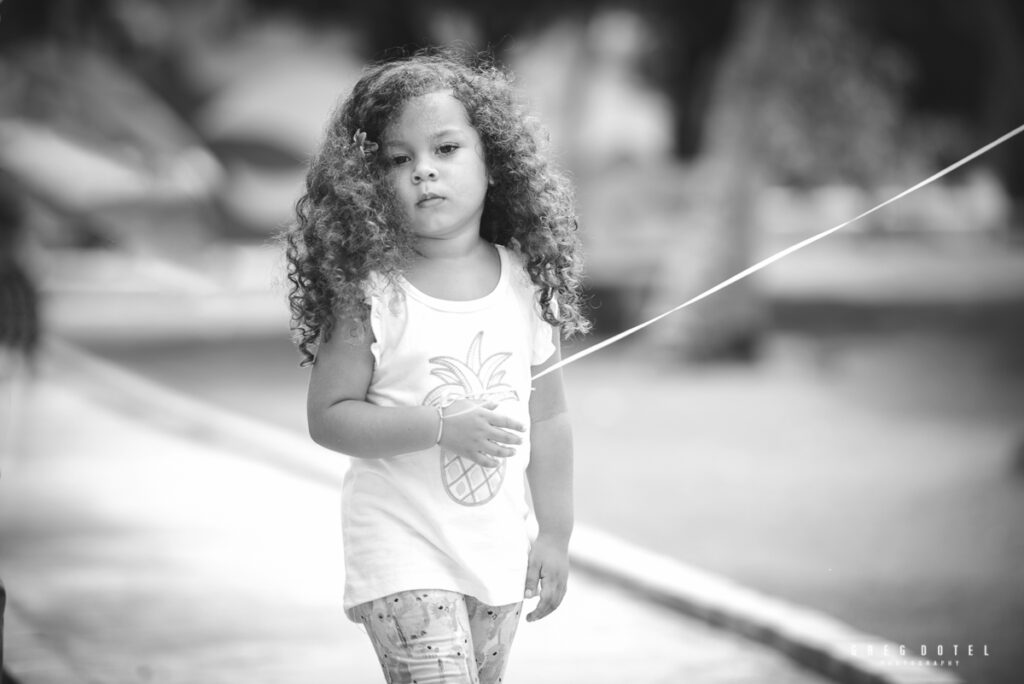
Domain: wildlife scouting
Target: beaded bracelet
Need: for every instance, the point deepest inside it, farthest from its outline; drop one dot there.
(440, 425)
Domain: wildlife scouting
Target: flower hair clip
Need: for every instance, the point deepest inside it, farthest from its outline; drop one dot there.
(366, 147)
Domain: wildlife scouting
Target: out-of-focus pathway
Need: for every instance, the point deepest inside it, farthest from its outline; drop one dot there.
(150, 550)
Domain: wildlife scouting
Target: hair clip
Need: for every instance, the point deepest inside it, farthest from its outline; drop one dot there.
(360, 141)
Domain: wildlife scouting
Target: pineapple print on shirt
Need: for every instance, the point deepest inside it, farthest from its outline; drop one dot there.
(476, 378)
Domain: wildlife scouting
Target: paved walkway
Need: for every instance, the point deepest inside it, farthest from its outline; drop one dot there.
(139, 546)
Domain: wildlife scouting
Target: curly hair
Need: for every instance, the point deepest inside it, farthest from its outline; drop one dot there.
(349, 224)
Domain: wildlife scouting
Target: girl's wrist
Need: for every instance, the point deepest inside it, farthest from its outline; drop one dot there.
(557, 537)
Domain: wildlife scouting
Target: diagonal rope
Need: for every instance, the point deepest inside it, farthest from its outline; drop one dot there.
(778, 255)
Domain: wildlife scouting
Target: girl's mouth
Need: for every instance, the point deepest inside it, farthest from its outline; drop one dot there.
(429, 199)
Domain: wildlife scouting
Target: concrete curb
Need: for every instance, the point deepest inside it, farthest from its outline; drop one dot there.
(40, 661)
(813, 639)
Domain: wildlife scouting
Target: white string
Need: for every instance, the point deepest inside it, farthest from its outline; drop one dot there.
(779, 255)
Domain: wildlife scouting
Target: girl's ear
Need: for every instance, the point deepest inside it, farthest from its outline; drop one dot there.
(490, 180)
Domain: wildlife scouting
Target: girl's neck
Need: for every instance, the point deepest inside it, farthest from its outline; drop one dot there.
(466, 245)
(455, 271)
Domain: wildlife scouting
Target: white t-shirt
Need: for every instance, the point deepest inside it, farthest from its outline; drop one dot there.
(430, 519)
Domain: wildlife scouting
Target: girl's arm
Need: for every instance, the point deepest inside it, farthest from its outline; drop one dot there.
(341, 419)
(550, 478)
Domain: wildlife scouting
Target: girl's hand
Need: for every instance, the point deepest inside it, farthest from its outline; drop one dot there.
(549, 566)
(473, 430)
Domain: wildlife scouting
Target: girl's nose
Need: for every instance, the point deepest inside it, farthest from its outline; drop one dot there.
(424, 172)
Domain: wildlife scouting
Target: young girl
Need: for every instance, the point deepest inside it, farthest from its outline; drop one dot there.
(433, 264)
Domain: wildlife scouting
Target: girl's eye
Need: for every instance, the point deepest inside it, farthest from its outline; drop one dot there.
(399, 159)
(447, 148)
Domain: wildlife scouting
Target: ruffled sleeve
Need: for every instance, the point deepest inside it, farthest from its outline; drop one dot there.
(543, 332)
(543, 346)
(540, 331)
(375, 291)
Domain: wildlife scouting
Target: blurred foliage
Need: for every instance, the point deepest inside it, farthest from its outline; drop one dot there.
(850, 69)
(19, 306)
(673, 115)
(830, 104)
(863, 91)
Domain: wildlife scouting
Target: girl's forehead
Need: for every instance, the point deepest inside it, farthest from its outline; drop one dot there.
(426, 115)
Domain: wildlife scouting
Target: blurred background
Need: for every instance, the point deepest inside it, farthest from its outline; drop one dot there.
(845, 429)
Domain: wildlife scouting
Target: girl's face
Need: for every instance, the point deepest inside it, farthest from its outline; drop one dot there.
(438, 170)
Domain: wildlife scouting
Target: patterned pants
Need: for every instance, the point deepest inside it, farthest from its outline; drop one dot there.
(433, 637)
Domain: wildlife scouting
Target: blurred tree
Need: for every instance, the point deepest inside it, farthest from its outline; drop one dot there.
(150, 40)
(829, 107)
(689, 38)
(1003, 101)
(966, 63)
(802, 94)
(19, 301)
(714, 234)
(102, 88)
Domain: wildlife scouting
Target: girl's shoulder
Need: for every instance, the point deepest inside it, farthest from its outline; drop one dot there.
(519, 278)
(513, 259)
(378, 284)
(516, 262)
(382, 292)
